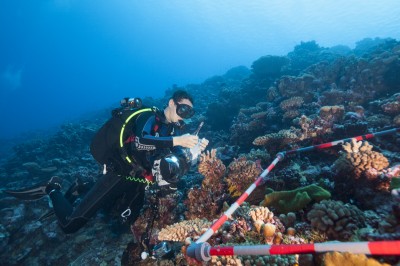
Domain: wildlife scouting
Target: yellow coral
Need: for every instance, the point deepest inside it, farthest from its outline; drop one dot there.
(336, 258)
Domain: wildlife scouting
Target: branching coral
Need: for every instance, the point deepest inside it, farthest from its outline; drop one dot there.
(337, 220)
(315, 127)
(264, 223)
(241, 174)
(211, 168)
(206, 202)
(359, 158)
(182, 230)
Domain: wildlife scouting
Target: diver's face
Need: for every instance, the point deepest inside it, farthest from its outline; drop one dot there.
(183, 107)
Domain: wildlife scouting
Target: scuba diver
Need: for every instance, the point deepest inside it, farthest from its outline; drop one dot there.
(137, 147)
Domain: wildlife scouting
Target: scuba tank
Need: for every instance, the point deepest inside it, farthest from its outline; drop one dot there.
(106, 143)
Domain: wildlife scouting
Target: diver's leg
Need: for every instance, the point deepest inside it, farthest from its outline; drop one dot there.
(106, 188)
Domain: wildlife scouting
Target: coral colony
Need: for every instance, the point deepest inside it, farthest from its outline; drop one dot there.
(311, 96)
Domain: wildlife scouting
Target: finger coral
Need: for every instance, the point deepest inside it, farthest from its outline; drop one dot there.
(360, 158)
(337, 220)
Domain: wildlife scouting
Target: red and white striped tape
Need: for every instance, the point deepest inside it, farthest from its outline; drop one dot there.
(368, 248)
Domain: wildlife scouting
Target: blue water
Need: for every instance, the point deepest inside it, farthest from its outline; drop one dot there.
(62, 58)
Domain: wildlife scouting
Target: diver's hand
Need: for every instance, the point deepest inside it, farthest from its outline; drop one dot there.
(186, 141)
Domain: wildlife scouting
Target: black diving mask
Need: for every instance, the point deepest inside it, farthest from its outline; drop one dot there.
(185, 111)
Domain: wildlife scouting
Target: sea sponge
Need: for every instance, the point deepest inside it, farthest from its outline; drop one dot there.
(337, 220)
(182, 230)
(294, 200)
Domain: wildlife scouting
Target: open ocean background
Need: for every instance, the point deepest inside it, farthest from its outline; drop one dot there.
(60, 59)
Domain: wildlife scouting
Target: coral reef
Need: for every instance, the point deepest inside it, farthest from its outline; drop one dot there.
(312, 96)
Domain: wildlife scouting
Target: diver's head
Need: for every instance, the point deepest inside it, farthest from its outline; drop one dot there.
(180, 107)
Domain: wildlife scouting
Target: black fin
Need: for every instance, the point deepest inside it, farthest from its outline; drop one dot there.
(34, 193)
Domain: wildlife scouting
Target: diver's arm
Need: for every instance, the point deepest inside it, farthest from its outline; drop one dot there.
(145, 141)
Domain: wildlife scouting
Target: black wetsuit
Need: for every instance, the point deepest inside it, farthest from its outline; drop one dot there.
(149, 138)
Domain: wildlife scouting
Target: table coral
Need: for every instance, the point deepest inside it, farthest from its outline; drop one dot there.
(279, 139)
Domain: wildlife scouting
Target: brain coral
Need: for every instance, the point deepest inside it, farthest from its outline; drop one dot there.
(336, 219)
